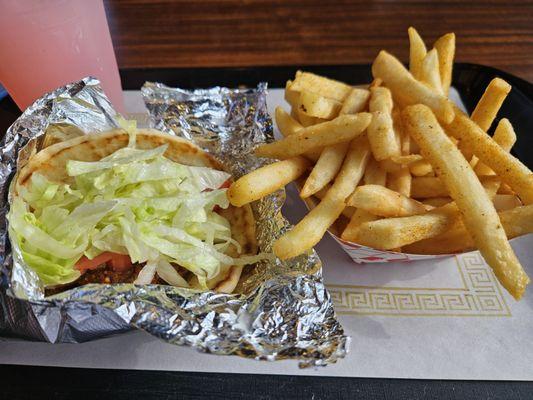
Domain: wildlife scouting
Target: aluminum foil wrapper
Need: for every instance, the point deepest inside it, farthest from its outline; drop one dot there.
(281, 310)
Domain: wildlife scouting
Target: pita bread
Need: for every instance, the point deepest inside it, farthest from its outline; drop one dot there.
(51, 162)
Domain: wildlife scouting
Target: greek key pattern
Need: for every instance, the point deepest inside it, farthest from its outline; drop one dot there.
(481, 296)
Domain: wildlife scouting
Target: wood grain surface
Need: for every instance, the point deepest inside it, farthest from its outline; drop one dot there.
(166, 33)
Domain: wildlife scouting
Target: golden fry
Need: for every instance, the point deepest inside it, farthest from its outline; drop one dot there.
(291, 96)
(400, 181)
(445, 46)
(384, 202)
(381, 131)
(478, 212)
(325, 169)
(417, 52)
(407, 159)
(313, 226)
(508, 168)
(391, 233)
(318, 84)
(287, 125)
(423, 187)
(315, 105)
(421, 168)
(486, 110)
(359, 217)
(374, 174)
(321, 194)
(407, 90)
(516, 222)
(437, 201)
(488, 106)
(266, 180)
(342, 129)
(356, 101)
(430, 71)
(505, 136)
(504, 202)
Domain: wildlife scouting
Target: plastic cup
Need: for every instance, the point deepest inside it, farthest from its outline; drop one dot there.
(45, 44)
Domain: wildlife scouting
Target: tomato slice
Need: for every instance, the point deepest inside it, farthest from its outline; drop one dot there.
(226, 184)
(119, 262)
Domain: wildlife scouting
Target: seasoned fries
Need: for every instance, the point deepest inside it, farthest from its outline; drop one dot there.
(315, 105)
(417, 53)
(384, 202)
(505, 136)
(356, 101)
(486, 110)
(318, 84)
(510, 169)
(445, 46)
(325, 169)
(407, 90)
(516, 221)
(391, 233)
(480, 217)
(342, 129)
(430, 71)
(396, 166)
(490, 103)
(287, 125)
(266, 180)
(374, 174)
(359, 217)
(312, 227)
(381, 135)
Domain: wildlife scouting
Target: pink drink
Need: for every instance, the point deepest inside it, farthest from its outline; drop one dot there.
(45, 44)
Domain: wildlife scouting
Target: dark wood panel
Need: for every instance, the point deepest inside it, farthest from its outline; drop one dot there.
(167, 33)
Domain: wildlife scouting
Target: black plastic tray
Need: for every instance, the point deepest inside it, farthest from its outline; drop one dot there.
(469, 79)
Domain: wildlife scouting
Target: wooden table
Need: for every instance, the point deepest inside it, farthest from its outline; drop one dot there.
(165, 33)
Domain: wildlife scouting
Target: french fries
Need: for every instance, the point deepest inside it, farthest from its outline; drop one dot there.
(516, 221)
(417, 53)
(490, 103)
(329, 88)
(391, 233)
(359, 217)
(430, 73)
(505, 136)
(266, 180)
(384, 202)
(487, 108)
(291, 96)
(480, 216)
(287, 125)
(356, 101)
(374, 174)
(407, 90)
(315, 105)
(421, 168)
(325, 169)
(506, 202)
(342, 129)
(445, 46)
(510, 169)
(381, 135)
(374, 165)
(312, 227)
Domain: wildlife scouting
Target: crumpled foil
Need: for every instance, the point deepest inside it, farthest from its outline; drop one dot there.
(282, 310)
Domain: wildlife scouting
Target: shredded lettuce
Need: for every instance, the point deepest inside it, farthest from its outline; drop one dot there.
(134, 202)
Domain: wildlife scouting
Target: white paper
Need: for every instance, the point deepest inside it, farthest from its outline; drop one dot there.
(435, 319)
